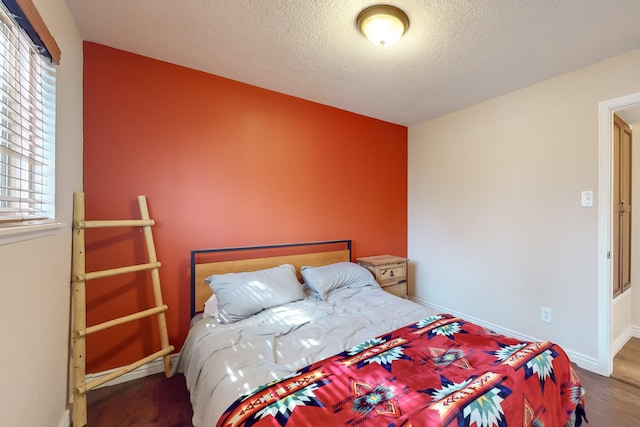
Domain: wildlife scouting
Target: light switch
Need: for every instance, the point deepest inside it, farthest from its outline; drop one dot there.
(587, 198)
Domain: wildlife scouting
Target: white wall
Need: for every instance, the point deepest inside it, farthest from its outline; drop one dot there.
(496, 230)
(34, 274)
(621, 319)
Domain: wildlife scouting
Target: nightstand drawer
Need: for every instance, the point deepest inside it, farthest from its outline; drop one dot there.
(392, 272)
(398, 289)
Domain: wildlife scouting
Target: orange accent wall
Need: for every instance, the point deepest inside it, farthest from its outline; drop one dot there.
(222, 164)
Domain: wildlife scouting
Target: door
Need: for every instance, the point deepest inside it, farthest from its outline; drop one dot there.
(622, 138)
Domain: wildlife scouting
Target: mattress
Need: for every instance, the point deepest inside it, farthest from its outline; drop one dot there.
(226, 364)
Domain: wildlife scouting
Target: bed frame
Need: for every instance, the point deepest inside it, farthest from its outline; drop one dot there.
(205, 262)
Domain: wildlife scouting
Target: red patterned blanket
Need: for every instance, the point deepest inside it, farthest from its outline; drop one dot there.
(441, 371)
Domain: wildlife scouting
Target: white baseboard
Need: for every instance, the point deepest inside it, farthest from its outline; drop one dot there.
(586, 362)
(151, 368)
(621, 340)
(66, 419)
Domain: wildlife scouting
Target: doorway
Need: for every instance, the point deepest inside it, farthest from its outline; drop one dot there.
(606, 347)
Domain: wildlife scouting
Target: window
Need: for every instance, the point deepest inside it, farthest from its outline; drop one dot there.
(27, 122)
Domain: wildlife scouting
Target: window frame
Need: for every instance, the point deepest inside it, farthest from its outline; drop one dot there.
(30, 25)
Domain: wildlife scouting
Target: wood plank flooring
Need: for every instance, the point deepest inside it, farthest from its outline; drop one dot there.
(156, 401)
(152, 401)
(626, 364)
(609, 402)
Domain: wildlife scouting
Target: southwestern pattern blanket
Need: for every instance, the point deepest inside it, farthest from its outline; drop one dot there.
(440, 371)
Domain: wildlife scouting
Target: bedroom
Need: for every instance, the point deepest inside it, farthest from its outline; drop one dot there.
(504, 228)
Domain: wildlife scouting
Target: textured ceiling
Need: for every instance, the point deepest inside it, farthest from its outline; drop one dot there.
(456, 52)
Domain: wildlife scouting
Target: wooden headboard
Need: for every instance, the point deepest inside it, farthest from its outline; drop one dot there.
(205, 262)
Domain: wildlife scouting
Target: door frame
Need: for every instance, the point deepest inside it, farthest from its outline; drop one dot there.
(606, 109)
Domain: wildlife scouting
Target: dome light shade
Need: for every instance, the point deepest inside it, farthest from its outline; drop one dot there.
(383, 24)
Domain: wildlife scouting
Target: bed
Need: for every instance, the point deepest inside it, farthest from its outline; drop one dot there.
(309, 338)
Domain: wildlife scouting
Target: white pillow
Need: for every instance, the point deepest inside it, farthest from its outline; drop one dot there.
(328, 278)
(211, 307)
(240, 295)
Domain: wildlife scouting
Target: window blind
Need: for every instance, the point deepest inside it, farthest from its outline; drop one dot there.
(27, 127)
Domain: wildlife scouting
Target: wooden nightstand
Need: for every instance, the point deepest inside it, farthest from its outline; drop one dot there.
(390, 272)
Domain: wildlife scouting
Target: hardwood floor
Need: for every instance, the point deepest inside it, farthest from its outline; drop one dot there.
(152, 401)
(610, 402)
(157, 401)
(626, 364)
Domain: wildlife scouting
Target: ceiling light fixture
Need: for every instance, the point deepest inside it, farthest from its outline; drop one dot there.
(383, 24)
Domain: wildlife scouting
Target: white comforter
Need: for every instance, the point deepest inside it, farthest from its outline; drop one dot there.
(221, 362)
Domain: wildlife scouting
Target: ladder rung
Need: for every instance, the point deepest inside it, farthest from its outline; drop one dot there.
(114, 223)
(79, 276)
(95, 383)
(115, 271)
(120, 320)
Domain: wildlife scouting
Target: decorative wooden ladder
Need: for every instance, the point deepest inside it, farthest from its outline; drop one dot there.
(78, 280)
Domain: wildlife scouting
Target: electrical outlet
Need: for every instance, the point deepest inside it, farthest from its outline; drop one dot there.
(545, 315)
